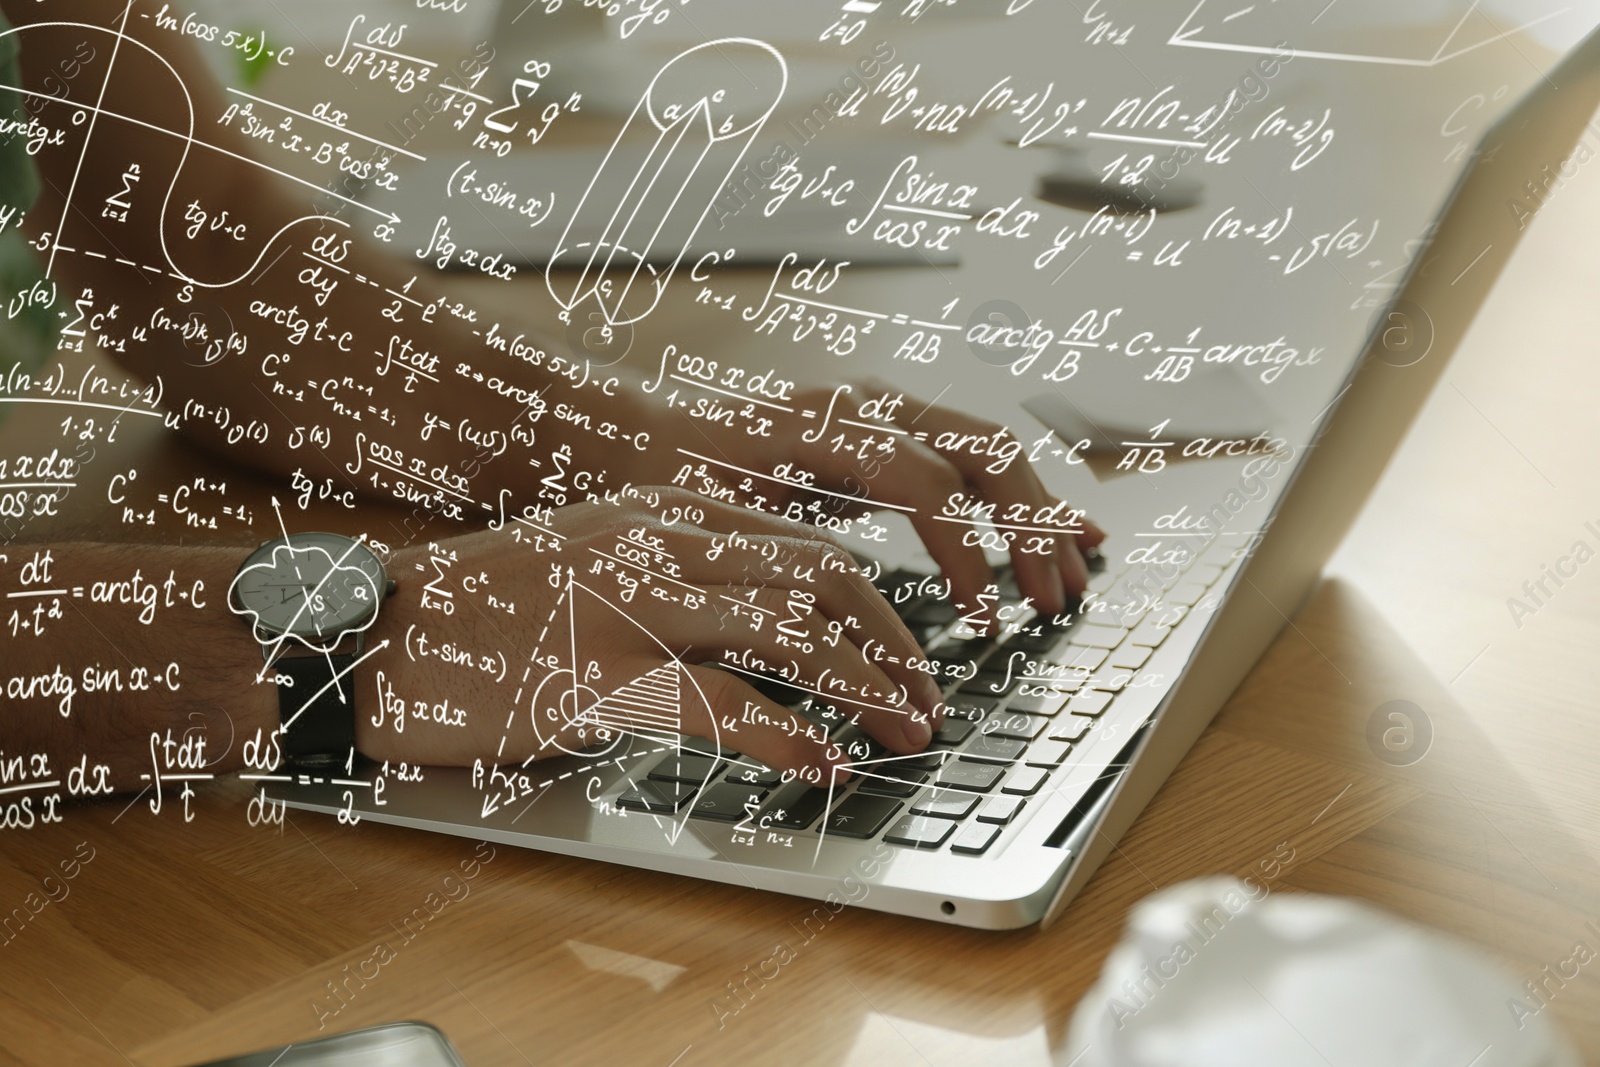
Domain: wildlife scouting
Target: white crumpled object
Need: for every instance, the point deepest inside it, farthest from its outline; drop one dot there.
(1220, 973)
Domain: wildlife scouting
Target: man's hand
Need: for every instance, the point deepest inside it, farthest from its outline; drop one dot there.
(620, 591)
(952, 475)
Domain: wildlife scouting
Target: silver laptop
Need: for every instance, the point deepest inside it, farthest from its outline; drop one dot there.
(1058, 735)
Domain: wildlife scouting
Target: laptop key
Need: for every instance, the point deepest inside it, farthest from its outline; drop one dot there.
(969, 708)
(1079, 660)
(857, 746)
(985, 749)
(794, 807)
(1047, 753)
(651, 796)
(1015, 726)
(1021, 667)
(1037, 643)
(753, 774)
(1093, 635)
(1127, 615)
(945, 804)
(1000, 809)
(961, 649)
(953, 732)
(1025, 781)
(860, 815)
(894, 783)
(988, 684)
(860, 748)
(917, 832)
(1186, 595)
(1046, 703)
(1113, 681)
(1129, 657)
(927, 760)
(974, 839)
(727, 802)
(690, 767)
(972, 777)
(1070, 728)
(1148, 634)
(1090, 703)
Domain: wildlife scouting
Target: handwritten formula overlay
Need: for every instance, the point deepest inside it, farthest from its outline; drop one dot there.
(526, 335)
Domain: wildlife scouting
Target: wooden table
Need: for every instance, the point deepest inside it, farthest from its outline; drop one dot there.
(181, 942)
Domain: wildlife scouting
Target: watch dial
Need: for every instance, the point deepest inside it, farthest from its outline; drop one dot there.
(314, 586)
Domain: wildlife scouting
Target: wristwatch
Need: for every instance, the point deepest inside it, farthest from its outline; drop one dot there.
(311, 597)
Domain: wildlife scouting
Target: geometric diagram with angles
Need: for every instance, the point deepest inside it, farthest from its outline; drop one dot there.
(678, 149)
(647, 706)
(577, 710)
(1271, 29)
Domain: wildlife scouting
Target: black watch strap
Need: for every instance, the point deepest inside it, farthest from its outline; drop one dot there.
(318, 711)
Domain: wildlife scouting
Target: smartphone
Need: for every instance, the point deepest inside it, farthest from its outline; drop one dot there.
(408, 1044)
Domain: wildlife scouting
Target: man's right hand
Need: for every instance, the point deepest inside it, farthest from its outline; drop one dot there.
(599, 596)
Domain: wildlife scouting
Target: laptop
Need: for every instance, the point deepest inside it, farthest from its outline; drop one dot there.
(1059, 732)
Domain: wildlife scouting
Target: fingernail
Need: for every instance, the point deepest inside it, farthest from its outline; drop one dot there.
(916, 731)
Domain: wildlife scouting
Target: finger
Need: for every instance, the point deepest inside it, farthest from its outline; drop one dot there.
(921, 484)
(844, 595)
(844, 591)
(1074, 569)
(803, 647)
(721, 516)
(807, 562)
(1034, 523)
(991, 459)
(736, 716)
(906, 475)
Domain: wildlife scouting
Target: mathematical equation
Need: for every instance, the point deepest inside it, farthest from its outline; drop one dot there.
(626, 380)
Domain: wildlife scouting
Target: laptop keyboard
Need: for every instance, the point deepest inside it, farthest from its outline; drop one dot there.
(1002, 739)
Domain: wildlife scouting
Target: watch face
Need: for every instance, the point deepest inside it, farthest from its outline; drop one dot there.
(314, 586)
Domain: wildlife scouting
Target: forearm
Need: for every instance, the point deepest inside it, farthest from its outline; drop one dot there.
(105, 646)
